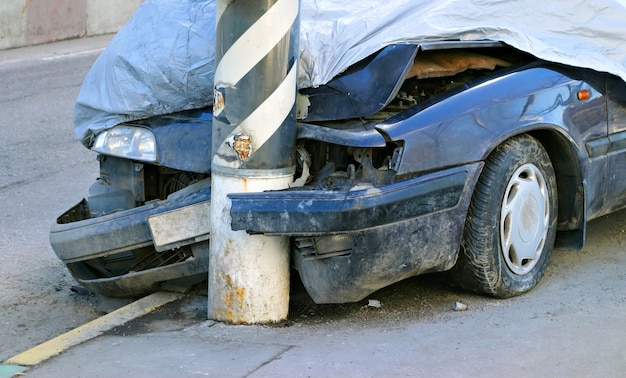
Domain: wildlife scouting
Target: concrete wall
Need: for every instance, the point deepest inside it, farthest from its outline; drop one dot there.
(32, 22)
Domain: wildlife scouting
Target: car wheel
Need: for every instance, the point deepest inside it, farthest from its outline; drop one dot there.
(511, 223)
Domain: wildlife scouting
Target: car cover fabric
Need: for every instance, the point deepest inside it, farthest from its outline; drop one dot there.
(162, 60)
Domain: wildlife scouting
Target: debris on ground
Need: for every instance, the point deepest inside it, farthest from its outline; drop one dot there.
(459, 306)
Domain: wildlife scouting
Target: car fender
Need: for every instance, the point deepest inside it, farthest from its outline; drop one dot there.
(469, 123)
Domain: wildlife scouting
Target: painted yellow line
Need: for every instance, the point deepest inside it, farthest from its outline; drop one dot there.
(92, 329)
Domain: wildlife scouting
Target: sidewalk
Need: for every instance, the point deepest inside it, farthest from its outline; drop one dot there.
(491, 338)
(450, 344)
(73, 47)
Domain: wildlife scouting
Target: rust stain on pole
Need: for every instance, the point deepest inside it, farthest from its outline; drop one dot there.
(242, 145)
(218, 102)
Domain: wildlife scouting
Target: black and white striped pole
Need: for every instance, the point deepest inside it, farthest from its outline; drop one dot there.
(254, 128)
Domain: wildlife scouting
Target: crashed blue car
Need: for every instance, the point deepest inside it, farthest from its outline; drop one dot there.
(464, 156)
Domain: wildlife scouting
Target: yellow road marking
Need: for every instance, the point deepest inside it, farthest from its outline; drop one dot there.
(92, 329)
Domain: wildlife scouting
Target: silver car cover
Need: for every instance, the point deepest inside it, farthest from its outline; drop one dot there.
(162, 61)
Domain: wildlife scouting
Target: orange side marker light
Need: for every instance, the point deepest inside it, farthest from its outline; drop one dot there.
(584, 95)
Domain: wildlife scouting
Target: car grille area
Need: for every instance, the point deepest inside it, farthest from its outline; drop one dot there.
(122, 263)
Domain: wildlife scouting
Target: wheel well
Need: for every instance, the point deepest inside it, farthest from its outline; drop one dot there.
(570, 219)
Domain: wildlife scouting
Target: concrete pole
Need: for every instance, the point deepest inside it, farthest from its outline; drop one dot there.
(254, 128)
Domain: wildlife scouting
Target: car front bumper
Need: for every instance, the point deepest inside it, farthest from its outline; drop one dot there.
(77, 239)
(346, 244)
(349, 244)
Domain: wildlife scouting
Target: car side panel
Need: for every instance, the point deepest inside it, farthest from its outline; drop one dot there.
(466, 126)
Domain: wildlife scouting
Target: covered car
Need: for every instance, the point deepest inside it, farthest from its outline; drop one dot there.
(443, 154)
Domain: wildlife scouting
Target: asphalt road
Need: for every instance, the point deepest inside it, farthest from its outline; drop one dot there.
(44, 170)
(572, 324)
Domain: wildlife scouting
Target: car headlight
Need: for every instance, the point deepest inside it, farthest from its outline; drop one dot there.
(130, 142)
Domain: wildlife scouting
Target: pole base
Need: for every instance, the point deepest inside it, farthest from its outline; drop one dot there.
(248, 274)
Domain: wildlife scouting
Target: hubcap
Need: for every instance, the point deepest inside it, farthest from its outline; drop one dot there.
(524, 219)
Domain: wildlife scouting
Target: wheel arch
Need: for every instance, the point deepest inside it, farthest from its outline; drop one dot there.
(570, 188)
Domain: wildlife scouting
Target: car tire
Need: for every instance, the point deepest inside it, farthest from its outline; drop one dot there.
(511, 223)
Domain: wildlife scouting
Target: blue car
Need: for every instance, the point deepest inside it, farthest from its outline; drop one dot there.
(463, 156)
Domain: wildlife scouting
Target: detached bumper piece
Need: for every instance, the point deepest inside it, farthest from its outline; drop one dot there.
(130, 252)
(349, 244)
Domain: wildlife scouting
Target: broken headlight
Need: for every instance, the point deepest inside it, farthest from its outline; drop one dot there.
(135, 143)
